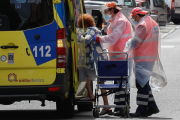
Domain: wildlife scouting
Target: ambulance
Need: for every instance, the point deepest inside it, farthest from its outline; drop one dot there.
(39, 54)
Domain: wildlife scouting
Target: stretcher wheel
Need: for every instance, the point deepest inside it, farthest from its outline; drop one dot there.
(123, 112)
(95, 113)
(127, 109)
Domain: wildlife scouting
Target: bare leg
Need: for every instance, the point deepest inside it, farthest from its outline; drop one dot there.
(104, 97)
(88, 86)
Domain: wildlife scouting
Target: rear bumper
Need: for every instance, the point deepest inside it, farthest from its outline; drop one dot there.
(30, 93)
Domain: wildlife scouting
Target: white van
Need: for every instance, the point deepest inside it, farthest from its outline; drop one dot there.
(175, 11)
(160, 9)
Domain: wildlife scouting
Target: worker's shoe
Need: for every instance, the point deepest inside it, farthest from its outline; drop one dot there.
(152, 111)
(137, 115)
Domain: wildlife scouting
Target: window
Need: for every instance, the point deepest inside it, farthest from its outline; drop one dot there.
(27, 14)
(145, 4)
(159, 3)
(130, 2)
(127, 2)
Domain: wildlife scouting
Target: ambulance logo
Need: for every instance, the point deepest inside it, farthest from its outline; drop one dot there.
(12, 77)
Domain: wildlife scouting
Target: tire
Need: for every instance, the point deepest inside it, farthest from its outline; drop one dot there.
(65, 108)
(127, 110)
(176, 21)
(95, 113)
(85, 107)
(123, 112)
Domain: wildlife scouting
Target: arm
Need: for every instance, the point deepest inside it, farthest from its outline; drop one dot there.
(138, 38)
(112, 38)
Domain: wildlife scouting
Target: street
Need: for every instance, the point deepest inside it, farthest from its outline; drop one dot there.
(168, 100)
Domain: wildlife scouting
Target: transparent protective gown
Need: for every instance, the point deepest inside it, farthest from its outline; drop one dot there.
(145, 46)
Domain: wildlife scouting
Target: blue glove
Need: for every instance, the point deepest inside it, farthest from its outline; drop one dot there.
(94, 38)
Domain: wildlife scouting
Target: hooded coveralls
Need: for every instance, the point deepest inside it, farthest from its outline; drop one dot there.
(145, 45)
(118, 33)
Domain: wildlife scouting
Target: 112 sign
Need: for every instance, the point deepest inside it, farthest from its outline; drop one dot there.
(42, 49)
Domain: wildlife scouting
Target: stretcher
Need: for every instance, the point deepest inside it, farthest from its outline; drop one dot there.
(111, 70)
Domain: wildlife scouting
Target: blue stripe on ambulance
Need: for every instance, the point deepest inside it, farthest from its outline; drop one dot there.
(61, 12)
(43, 49)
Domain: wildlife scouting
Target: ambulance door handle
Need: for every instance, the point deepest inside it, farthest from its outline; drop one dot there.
(5, 47)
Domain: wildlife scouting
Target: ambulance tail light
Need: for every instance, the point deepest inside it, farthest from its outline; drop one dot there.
(61, 48)
(172, 4)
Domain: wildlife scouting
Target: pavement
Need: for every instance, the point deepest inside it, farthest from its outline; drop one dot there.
(168, 29)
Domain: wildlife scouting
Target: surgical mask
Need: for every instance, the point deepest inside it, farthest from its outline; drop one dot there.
(107, 17)
(135, 22)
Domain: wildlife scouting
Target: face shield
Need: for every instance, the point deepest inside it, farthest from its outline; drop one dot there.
(105, 13)
(132, 21)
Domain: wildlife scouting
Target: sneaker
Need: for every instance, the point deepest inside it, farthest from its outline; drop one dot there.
(104, 111)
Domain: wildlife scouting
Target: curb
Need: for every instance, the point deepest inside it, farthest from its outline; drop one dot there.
(170, 32)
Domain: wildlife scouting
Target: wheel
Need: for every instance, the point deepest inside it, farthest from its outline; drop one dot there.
(176, 21)
(123, 112)
(65, 108)
(95, 113)
(85, 107)
(127, 110)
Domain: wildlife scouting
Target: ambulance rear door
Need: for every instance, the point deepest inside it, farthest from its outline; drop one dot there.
(27, 42)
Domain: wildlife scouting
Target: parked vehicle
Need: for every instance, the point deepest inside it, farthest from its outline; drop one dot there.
(157, 7)
(160, 9)
(175, 11)
(143, 3)
(39, 54)
(146, 4)
(125, 5)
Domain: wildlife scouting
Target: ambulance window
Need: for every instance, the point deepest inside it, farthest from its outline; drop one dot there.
(27, 14)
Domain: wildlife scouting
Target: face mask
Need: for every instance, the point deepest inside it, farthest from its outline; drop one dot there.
(107, 17)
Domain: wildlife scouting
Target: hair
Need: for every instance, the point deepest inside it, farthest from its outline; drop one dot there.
(115, 10)
(141, 15)
(88, 21)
